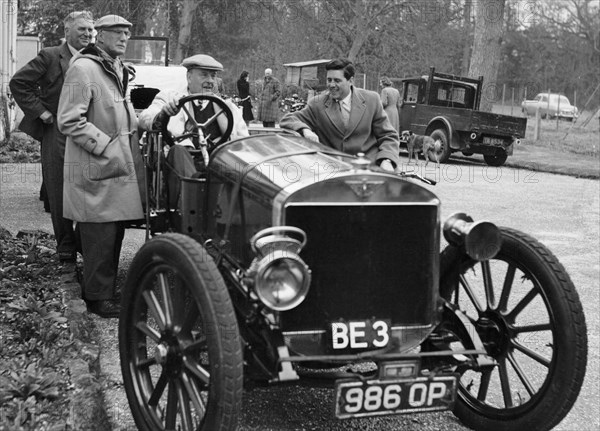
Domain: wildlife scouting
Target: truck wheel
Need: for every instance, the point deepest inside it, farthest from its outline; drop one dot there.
(444, 154)
(497, 160)
(525, 308)
(180, 347)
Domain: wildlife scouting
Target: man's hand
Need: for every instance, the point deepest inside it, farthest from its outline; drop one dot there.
(387, 165)
(309, 134)
(46, 117)
(170, 107)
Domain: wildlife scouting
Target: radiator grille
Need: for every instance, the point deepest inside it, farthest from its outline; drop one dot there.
(367, 261)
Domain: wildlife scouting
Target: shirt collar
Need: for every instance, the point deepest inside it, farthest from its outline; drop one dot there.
(74, 52)
(346, 100)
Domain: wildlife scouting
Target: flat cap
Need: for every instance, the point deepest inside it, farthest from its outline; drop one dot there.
(201, 61)
(108, 21)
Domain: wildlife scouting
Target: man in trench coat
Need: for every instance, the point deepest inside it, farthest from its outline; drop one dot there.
(268, 107)
(36, 88)
(103, 174)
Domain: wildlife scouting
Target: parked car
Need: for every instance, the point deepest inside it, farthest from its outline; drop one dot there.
(550, 105)
(288, 262)
(446, 107)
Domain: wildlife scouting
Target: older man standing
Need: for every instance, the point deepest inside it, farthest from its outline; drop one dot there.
(103, 185)
(268, 108)
(36, 88)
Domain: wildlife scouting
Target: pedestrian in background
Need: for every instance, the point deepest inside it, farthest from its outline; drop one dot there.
(36, 88)
(391, 101)
(243, 86)
(104, 172)
(268, 108)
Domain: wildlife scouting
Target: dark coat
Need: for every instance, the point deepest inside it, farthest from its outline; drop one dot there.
(36, 87)
(268, 108)
(244, 94)
(369, 130)
(103, 173)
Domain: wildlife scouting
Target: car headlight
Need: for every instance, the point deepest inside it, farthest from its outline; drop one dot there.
(282, 280)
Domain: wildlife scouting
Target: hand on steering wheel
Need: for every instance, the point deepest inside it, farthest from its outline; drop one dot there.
(198, 132)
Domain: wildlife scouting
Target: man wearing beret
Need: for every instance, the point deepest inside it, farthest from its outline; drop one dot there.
(103, 174)
(201, 79)
(36, 88)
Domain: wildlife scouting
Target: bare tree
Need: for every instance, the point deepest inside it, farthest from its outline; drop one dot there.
(188, 12)
(489, 25)
(352, 22)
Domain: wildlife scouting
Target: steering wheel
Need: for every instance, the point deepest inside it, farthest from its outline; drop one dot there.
(199, 128)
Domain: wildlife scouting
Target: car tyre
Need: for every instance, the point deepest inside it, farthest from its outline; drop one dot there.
(179, 342)
(495, 160)
(530, 319)
(444, 154)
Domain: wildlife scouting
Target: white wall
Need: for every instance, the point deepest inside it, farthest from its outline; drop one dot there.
(8, 60)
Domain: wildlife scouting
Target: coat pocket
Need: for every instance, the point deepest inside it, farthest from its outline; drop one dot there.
(113, 162)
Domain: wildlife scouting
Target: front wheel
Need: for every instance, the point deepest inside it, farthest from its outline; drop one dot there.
(444, 153)
(528, 315)
(495, 160)
(179, 341)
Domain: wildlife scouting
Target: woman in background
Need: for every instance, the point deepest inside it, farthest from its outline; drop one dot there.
(391, 101)
(243, 86)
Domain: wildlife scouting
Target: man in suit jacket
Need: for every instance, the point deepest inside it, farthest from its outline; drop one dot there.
(36, 88)
(348, 119)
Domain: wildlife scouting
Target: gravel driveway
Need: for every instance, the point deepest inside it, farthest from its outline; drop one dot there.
(562, 212)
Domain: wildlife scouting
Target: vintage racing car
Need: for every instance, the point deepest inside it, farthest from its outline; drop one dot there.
(287, 261)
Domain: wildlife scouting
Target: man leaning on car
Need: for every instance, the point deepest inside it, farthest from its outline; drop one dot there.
(348, 119)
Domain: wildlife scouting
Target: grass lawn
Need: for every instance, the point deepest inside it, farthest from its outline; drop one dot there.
(564, 136)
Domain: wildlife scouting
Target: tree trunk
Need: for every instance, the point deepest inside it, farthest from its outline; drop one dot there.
(468, 27)
(489, 27)
(188, 12)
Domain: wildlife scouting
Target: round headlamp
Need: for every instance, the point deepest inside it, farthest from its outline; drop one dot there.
(282, 280)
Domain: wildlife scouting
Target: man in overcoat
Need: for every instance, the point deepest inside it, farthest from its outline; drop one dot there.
(36, 88)
(348, 119)
(268, 107)
(103, 175)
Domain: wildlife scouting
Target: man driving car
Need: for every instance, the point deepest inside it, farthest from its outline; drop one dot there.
(201, 79)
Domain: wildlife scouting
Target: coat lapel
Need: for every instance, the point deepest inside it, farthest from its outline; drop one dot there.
(65, 58)
(357, 110)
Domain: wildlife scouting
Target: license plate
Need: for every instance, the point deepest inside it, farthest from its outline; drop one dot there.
(493, 141)
(361, 334)
(387, 397)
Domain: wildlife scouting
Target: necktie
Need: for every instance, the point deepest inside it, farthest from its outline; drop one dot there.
(344, 113)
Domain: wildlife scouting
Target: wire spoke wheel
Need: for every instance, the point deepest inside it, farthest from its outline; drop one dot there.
(178, 338)
(527, 313)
